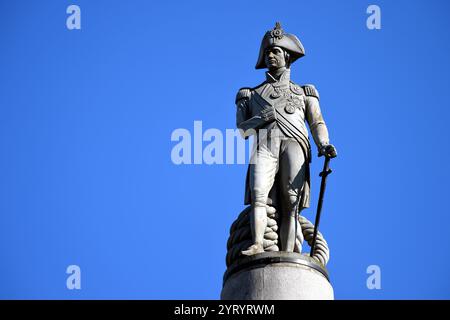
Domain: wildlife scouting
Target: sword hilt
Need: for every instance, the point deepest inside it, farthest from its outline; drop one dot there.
(325, 172)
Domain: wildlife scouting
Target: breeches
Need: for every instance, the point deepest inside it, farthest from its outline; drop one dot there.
(282, 156)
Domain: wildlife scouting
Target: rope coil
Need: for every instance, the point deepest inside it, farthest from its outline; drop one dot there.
(241, 237)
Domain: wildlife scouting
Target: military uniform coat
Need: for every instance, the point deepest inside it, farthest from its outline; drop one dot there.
(293, 105)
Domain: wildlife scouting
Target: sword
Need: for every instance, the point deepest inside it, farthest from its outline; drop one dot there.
(325, 172)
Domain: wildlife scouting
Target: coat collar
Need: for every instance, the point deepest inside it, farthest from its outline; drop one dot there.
(284, 78)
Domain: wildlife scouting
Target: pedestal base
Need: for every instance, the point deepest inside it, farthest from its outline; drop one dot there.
(276, 276)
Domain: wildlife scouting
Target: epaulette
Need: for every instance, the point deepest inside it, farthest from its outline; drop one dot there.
(243, 93)
(310, 90)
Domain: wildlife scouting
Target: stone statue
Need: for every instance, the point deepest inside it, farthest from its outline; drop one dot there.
(275, 112)
(264, 250)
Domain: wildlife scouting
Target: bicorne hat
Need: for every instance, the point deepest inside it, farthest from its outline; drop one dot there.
(278, 38)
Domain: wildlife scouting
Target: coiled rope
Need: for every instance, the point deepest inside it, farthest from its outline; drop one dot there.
(241, 237)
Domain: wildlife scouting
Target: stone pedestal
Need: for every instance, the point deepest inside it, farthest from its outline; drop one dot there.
(276, 276)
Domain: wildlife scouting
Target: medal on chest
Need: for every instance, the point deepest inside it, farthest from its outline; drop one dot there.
(293, 100)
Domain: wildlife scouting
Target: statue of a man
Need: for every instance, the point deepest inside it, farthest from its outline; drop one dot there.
(276, 111)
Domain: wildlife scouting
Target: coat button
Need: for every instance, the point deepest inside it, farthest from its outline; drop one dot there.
(289, 109)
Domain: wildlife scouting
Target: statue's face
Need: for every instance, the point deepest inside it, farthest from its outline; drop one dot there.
(274, 58)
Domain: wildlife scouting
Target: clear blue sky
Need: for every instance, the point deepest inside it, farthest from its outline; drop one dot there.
(87, 115)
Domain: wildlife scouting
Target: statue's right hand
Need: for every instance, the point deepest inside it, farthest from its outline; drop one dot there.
(328, 150)
(268, 114)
